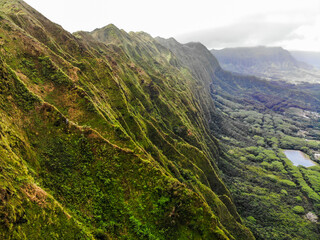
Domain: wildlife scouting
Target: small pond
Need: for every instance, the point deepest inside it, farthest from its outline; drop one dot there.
(299, 158)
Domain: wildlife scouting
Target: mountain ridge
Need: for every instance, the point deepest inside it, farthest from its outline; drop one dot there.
(273, 63)
(162, 180)
(115, 135)
(248, 110)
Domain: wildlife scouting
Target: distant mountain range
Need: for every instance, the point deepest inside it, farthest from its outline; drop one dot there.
(273, 63)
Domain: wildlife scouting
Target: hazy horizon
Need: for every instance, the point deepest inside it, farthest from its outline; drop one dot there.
(293, 25)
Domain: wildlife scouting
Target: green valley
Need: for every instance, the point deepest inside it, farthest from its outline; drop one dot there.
(257, 119)
(115, 135)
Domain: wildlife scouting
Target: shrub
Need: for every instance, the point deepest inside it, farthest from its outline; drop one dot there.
(288, 183)
(298, 209)
(251, 219)
(276, 166)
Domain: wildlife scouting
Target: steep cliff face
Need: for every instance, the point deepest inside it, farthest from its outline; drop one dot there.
(257, 56)
(256, 119)
(195, 56)
(240, 89)
(104, 135)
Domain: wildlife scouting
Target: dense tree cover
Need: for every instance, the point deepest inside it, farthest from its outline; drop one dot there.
(273, 196)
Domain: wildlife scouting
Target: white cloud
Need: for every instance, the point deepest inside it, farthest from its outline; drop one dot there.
(253, 30)
(307, 37)
(167, 18)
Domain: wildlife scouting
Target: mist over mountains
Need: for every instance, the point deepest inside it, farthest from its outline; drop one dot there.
(311, 58)
(274, 63)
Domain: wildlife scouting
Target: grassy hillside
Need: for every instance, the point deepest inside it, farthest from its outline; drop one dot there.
(260, 118)
(104, 140)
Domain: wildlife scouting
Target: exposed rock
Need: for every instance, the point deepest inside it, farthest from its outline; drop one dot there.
(311, 217)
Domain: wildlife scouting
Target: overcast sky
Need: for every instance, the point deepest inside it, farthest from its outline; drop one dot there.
(292, 24)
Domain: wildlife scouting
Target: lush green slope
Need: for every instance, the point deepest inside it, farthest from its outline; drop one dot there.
(104, 140)
(257, 120)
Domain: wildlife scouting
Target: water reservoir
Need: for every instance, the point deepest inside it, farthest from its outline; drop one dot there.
(299, 158)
